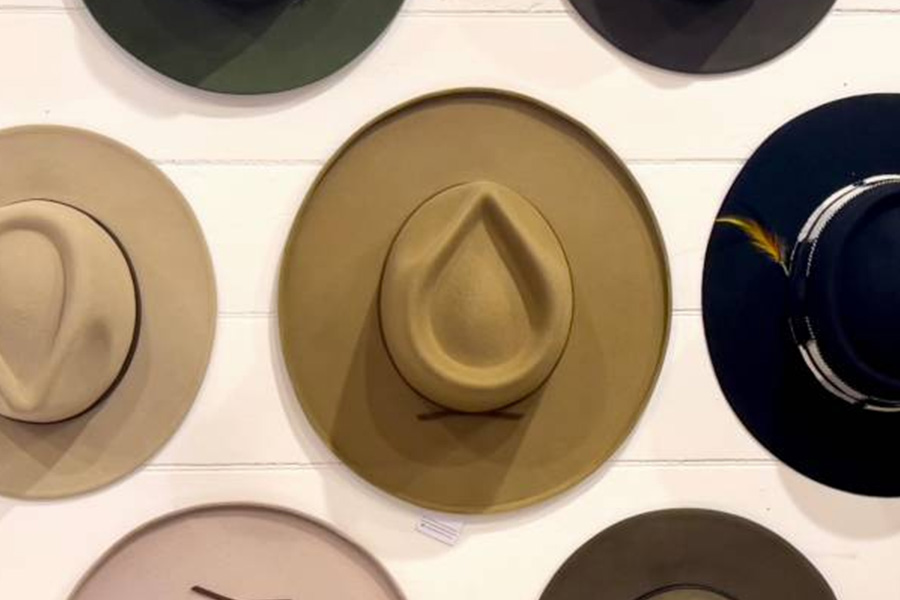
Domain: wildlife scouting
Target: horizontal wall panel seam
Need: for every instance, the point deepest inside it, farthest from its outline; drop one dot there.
(317, 466)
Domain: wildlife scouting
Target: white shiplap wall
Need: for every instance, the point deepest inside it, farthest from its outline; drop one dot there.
(245, 164)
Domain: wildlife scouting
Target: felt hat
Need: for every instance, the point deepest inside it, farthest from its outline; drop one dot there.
(687, 554)
(800, 291)
(245, 46)
(703, 36)
(474, 302)
(107, 312)
(236, 552)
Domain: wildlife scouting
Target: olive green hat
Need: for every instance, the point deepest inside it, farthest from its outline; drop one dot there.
(245, 46)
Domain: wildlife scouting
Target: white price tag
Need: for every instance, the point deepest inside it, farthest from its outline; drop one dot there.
(443, 530)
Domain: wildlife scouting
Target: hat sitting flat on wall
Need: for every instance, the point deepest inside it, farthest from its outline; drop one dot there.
(801, 289)
(687, 554)
(236, 552)
(703, 36)
(107, 312)
(245, 46)
(474, 302)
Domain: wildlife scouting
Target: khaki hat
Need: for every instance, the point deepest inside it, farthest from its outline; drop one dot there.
(474, 302)
(107, 313)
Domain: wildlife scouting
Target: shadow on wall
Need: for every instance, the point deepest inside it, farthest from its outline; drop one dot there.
(844, 514)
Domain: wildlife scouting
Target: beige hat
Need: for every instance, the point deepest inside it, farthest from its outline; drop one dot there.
(474, 302)
(107, 312)
(236, 552)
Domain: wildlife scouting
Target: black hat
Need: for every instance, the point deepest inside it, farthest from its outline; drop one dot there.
(687, 554)
(703, 36)
(801, 292)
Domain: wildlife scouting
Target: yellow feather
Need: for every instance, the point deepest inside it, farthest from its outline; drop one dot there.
(763, 240)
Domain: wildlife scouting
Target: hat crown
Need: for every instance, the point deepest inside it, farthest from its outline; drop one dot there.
(67, 313)
(845, 278)
(476, 299)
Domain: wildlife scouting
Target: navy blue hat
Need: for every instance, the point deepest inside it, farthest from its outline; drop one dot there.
(703, 36)
(801, 294)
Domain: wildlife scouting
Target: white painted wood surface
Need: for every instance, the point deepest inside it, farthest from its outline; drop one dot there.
(245, 164)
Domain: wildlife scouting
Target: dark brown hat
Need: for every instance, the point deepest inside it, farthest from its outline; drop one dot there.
(687, 554)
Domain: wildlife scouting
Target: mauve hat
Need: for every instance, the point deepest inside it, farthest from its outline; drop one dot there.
(245, 46)
(107, 312)
(800, 294)
(703, 36)
(474, 302)
(687, 554)
(236, 552)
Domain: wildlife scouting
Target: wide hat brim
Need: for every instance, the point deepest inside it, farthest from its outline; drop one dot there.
(329, 318)
(156, 228)
(687, 549)
(248, 550)
(745, 297)
(220, 46)
(698, 36)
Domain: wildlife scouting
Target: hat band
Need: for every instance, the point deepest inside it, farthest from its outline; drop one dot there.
(802, 257)
(247, 3)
